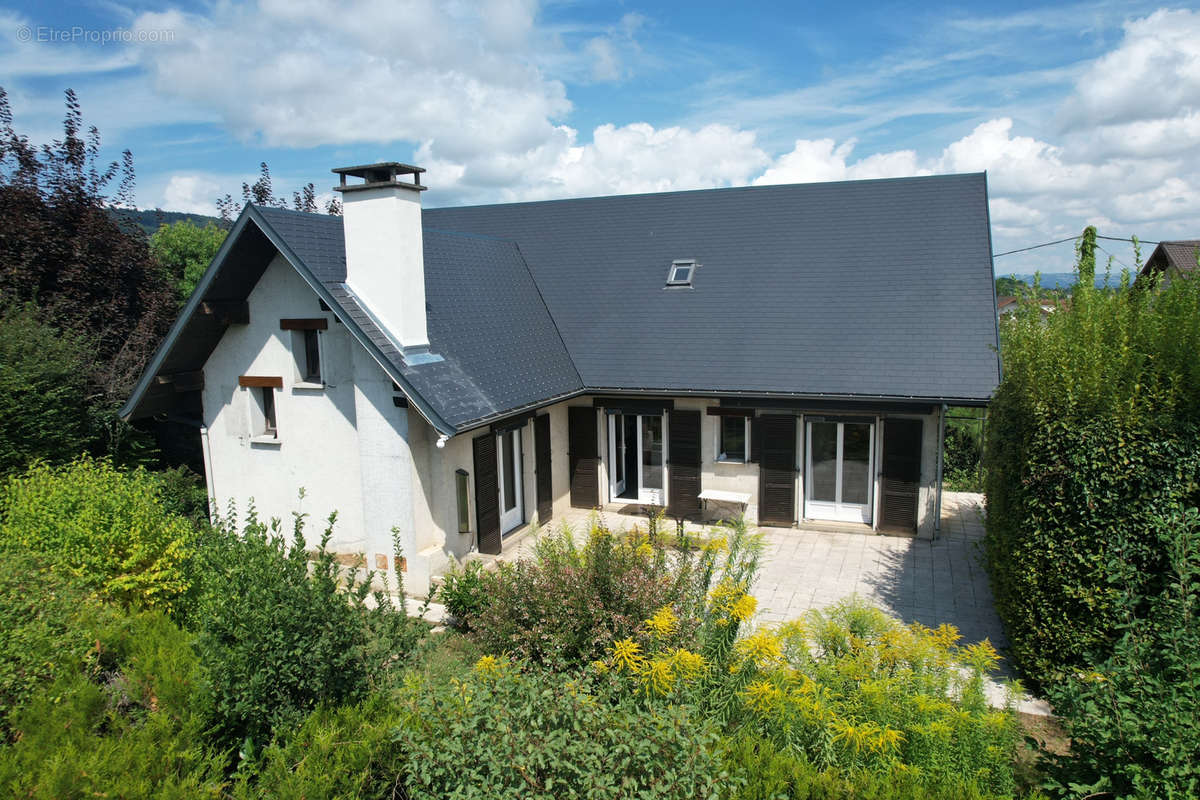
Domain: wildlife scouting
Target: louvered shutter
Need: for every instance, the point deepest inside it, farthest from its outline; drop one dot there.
(545, 489)
(684, 466)
(901, 473)
(583, 458)
(777, 469)
(487, 494)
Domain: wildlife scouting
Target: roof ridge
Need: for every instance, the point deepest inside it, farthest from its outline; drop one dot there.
(716, 190)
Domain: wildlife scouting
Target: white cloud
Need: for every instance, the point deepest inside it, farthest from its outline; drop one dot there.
(301, 74)
(824, 160)
(195, 194)
(1153, 74)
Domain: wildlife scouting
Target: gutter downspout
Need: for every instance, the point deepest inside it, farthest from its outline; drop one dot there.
(208, 475)
(937, 514)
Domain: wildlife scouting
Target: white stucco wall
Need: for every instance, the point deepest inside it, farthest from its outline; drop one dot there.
(344, 444)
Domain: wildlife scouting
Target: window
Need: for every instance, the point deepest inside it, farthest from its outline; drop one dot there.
(260, 394)
(681, 273)
(306, 348)
(268, 409)
(731, 438)
(462, 481)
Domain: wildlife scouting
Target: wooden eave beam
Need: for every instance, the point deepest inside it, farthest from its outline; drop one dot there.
(228, 312)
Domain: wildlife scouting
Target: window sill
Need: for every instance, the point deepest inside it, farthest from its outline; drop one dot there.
(273, 441)
(723, 460)
(309, 385)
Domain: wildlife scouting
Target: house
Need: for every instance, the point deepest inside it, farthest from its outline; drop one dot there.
(1007, 306)
(1172, 258)
(456, 374)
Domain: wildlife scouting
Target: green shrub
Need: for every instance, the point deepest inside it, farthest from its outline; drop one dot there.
(846, 689)
(345, 752)
(464, 592)
(121, 722)
(43, 392)
(1134, 719)
(282, 634)
(761, 771)
(506, 732)
(105, 528)
(43, 617)
(568, 604)
(1091, 438)
(962, 469)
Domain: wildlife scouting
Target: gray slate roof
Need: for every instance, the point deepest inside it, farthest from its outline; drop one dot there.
(860, 288)
(499, 346)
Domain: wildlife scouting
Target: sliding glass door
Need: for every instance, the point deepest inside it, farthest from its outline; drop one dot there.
(839, 477)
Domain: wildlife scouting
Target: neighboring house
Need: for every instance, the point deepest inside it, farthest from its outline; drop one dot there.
(1170, 259)
(459, 373)
(1007, 306)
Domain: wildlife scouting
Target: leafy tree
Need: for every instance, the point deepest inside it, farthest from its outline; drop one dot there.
(61, 248)
(43, 392)
(1011, 286)
(262, 193)
(185, 250)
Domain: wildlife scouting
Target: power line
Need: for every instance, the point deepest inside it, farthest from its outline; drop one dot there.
(1069, 239)
(1035, 246)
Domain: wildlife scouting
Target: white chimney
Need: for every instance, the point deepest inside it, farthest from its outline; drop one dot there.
(385, 255)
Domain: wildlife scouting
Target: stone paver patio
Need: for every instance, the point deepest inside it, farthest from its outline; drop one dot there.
(914, 580)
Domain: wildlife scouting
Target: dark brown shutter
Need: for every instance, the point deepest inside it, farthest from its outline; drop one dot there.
(901, 474)
(684, 464)
(545, 488)
(582, 457)
(755, 440)
(777, 469)
(487, 494)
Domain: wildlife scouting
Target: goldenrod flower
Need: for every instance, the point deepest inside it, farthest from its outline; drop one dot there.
(658, 676)
(688, 664)
(743, 608)
(761, 647)
(663, 622)
(627, 654)
(488, 665)
(644, 550)
(762, 696)
(718, 544)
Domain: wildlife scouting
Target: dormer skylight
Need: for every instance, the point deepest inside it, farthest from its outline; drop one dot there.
(681, 272)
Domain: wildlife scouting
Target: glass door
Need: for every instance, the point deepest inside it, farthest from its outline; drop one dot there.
(616, 455)
(650, 465)
(508, 449)
(841, 462)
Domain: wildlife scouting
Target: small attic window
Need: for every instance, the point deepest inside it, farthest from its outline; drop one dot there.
(681, 273)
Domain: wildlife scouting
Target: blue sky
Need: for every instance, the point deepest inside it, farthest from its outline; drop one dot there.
(1082, 113)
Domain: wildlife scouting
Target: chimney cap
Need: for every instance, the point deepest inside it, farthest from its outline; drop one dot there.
(384, 173)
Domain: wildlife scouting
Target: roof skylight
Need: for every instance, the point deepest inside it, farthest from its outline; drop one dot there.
(681, 272)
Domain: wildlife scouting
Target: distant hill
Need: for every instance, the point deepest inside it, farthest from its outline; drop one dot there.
(150, 219)
(1059, 280)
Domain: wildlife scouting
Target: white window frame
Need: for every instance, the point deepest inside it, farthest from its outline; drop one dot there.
(257, 417)
(683, 263)
(300, 359)
(718, 443)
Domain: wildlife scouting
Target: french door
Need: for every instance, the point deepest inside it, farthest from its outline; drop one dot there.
(636, 458)
(512, 490)
(841, 463)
